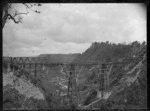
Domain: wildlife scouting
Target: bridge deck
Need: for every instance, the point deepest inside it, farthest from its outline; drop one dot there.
(43, 61)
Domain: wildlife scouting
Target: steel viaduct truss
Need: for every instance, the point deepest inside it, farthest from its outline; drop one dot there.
(22, 62)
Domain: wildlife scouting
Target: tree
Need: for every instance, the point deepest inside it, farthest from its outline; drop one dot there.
(135, 44)
(143, 43)
(107, 42)
(9, 13)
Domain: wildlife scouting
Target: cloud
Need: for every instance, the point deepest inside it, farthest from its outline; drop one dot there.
(71, 28)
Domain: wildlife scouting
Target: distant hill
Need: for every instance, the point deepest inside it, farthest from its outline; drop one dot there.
(65, 58)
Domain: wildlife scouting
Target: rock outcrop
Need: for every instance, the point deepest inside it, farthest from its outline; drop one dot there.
(20, 93)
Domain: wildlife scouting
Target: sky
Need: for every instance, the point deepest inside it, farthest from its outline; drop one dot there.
(71, 28)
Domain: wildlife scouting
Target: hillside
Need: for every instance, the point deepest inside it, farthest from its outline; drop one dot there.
(65, 58)
(127, 86)
(108, 52)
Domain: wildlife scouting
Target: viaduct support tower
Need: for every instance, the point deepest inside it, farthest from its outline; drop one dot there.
(72, 86)
(103, 79)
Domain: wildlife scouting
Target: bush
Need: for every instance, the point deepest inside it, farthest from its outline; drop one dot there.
(11, 97)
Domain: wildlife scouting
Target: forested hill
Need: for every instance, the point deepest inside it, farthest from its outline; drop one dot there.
(65, 58)
(106, 51)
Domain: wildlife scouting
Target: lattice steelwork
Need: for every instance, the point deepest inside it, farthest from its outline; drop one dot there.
(72, 85)
(102, 78)
(35, 64)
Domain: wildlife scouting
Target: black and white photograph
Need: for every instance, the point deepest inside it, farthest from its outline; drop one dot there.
(84, 56)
